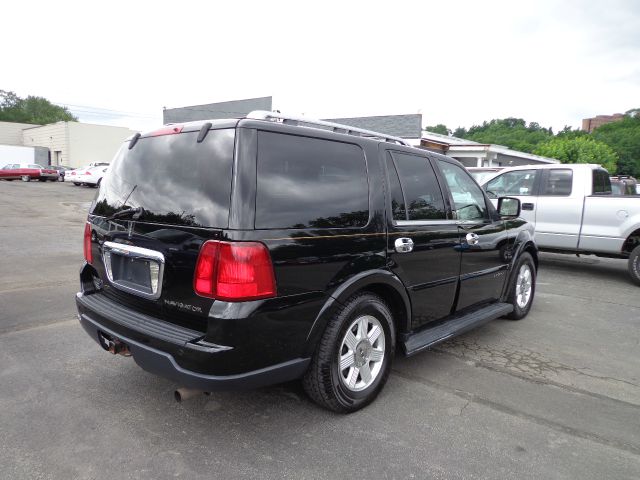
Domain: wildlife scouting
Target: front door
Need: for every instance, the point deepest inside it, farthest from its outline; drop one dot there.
(483, 268)
(422, 236)
(522, 184)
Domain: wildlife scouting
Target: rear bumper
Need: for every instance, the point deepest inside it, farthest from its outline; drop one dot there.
(179, 341)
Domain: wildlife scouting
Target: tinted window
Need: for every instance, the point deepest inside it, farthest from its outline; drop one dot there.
(307, 182)
(601, 182)
(421, 190)
(398, 209)
(467, 196)
(517, 182)
(558, 182)
(174, 178)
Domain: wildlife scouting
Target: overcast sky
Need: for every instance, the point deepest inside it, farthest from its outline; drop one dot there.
(455, 62)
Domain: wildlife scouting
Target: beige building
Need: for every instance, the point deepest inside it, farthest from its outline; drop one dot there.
(11, 133)
(75, 144)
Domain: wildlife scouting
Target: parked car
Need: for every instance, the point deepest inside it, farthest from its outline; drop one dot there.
(623, 185)
(574, 211)
(273, 251)
(62, 170)
(27, 172)
(480, 174)
(89, 176)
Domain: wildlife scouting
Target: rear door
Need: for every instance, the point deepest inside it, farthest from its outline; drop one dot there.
(482, 234)
(559, 210)
(422, 236)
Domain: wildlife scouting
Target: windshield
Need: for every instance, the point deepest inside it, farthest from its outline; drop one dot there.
(175, 179)
(480, 176)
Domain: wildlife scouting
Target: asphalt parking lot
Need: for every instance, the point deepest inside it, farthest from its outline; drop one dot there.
(556, 395)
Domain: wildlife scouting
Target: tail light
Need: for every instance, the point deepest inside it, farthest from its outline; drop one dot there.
(87, 172)
(88, 255)
(234, 271)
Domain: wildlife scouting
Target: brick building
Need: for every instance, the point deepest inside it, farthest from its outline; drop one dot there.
(590, 124)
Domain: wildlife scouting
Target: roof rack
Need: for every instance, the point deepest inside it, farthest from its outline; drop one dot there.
(335, 127)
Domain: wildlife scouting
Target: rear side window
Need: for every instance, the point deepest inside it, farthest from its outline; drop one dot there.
(558, 182)
(517, 182)
(307, 182)
(601, 182)
(422, 196)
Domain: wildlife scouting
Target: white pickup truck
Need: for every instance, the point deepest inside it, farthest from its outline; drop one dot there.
(573, 210)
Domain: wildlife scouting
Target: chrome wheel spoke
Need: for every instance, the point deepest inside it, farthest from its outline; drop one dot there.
(363, 326)
(346, 361)
(376, 355)
(352, 378)
(374, 334)
(350, 340)
(365, 373)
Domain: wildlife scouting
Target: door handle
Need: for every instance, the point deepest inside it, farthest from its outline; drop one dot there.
(472, 238)
(527, 206)
(403, 245)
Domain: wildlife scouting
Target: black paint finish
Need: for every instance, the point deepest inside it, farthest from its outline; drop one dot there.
(318, 263)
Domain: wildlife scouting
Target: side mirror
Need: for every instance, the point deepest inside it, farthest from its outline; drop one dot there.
(508, 207)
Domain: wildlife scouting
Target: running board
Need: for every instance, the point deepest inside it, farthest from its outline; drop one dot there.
(424, 339)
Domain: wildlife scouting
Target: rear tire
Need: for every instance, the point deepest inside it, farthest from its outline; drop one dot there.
(354, 356)
(25, 178)
(634, 265)
(523, 287)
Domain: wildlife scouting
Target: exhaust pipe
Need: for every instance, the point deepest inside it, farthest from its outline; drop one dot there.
(182, 394)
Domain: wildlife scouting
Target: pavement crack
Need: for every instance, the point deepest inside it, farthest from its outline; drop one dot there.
(522, 363)
(36, 326)
(470, 397)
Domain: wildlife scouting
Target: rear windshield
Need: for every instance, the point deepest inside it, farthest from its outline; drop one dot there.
(175, 179)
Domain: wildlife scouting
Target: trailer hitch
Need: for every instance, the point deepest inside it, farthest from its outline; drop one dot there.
(113, 345)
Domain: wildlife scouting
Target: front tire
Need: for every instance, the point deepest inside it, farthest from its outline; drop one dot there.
(634, 265)
(353, 360)
(523, 287)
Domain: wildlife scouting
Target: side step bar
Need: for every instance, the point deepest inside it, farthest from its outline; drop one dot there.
(429, 337)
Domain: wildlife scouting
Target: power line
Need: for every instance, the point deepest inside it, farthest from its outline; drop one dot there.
(86, 109)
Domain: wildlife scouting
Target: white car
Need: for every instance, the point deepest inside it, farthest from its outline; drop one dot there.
(91, 176)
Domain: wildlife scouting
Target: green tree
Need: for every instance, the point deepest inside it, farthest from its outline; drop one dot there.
(623, 136)
(439, 128)
(510, 132)
(36, 110)
(582, 149)
(460, 132)
(568, 132)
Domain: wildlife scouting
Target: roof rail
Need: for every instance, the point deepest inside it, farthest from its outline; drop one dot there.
(335, 127)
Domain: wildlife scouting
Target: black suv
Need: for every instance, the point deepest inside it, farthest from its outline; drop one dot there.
(239, 253)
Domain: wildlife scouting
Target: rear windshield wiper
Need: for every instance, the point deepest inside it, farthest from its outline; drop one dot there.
(135, 212)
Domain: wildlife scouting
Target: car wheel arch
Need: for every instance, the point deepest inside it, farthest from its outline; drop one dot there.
(382, 283)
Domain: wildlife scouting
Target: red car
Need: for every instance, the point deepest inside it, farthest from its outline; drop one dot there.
(28, 171)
